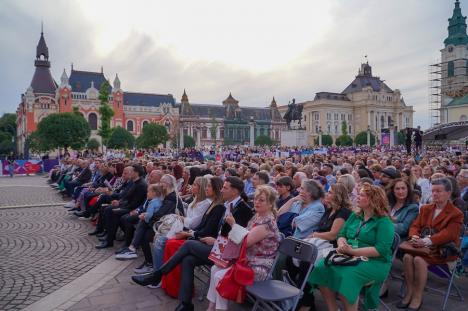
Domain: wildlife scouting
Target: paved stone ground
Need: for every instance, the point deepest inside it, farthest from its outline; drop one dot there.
(26, 190)
(121, 294)
(42, 248)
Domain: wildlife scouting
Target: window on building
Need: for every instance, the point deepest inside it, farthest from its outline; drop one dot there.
(145, 123)
(349, 129)
(336, 129)
(317, 116)
(130, 125)
(328, 128)
(450, 69)
(350, 117)
(316, 129)
(185, 131)
(204, 132)
(168, 126)
(261, 132)
(336, 116)
(343, 117)
(382, 122)
(328, 116)
(463, 117)
(389, 118)
(92, 120)
(221, 132)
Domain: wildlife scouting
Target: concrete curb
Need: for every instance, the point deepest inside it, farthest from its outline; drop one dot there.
(73, 292)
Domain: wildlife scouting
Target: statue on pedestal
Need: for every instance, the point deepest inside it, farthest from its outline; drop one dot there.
(294, 113)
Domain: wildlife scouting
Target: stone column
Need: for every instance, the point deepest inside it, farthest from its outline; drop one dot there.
(181, 137)
(252, 132)
(198, 137)
(320, 136)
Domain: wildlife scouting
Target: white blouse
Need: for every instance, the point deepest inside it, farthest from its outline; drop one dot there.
(195, 213)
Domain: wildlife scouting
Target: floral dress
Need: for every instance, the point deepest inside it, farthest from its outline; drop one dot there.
(262, 254)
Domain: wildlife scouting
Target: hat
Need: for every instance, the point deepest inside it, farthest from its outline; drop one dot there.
(391, 172)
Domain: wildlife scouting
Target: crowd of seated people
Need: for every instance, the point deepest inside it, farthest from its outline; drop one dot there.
(351, 203)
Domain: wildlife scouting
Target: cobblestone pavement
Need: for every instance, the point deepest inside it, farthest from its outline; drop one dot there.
(41, 248)
(26, 190)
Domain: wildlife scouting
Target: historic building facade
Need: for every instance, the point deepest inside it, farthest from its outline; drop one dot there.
(44, 96)
(366, 103)
(454, 70)
(228, 123)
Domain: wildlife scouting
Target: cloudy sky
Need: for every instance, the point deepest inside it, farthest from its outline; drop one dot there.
(255, 49)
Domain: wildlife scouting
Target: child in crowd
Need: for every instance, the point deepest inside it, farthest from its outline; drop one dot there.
(155, 196)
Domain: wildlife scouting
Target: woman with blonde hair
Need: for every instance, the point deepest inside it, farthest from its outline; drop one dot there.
(263, 241)
(369, 233)
(197, 208)
(350, 183)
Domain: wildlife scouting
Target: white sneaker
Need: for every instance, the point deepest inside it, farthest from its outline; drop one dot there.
(152, 286)
(70, 204)
(127, 254)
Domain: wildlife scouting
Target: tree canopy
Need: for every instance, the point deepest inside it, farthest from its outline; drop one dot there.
(344, 140)
(189, 142)
(93, 144)
(263, 140)
(120, 138)
(153, 134)
(7, 133)
(106, 112)
(361, 138)
(327, 140)
(61, 130)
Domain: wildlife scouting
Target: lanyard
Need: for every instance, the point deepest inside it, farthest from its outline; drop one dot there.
(361, 225)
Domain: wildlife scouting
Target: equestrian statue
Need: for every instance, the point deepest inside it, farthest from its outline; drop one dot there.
(294, 113)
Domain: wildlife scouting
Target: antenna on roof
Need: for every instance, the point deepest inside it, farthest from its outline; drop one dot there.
(42, 26)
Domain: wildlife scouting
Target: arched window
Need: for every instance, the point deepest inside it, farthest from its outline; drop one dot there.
(130, 125)
(261, 131)
(204, 133)
(382, 122)
(221, 132)
(450, 69)
(145, 123)
(389, 121)
(168, 126)
(92, 120)
(463, 117)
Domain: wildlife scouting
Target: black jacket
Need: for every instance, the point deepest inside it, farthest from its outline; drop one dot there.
(168, 206)
(242, 213)
(135, 196)
(100, 181)
(209, 225)
(84, 176)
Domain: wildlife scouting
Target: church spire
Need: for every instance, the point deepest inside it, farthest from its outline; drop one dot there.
(457, 27)
(42, 49)
(184, 98)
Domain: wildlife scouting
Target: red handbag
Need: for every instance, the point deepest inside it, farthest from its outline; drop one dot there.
(232, 285)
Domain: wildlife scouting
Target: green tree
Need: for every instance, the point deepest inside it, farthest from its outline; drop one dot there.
(344, 128)
(153, 134)
(7, 133)
(93, 144)
(361, 138)
(344, 140)
(263, 140)
(401, 138)
(189, 142)
(120, 138)
(213, 128)
(61, 130)
(327, 140)
(106, 112)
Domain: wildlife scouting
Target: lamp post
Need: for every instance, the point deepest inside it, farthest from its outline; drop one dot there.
(368, 136)
(252, 131)
(320, 135)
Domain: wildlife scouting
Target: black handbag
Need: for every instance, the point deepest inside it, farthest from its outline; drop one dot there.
(336, 259)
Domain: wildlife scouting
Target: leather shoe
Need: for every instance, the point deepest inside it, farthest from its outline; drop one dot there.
(147, 279)
(95, 232)
(401, 305)
(103, 238)
(183, 306)
(104, 244)
(100, 235)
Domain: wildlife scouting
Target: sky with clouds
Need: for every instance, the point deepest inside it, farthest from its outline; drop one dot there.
(255, 49)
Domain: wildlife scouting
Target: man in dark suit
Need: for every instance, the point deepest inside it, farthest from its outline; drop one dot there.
(83, 177)
(135, 197)
(195, 252)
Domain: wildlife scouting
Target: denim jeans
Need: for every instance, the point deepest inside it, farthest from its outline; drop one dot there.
(158, 252)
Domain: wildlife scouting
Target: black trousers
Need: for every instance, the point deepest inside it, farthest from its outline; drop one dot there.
(191, 254)
(112, 220)
(128, 222)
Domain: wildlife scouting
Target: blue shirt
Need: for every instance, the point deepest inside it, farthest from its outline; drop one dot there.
(308, 218)
(249, 189)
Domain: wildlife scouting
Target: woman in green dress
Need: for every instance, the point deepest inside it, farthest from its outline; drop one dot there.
(368, 232)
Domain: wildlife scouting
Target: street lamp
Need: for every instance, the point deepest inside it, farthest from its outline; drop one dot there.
(320, 135)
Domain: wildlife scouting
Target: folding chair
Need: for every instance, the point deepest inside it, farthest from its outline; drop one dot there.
(271, 293)
(395, 244)
(202, 274)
